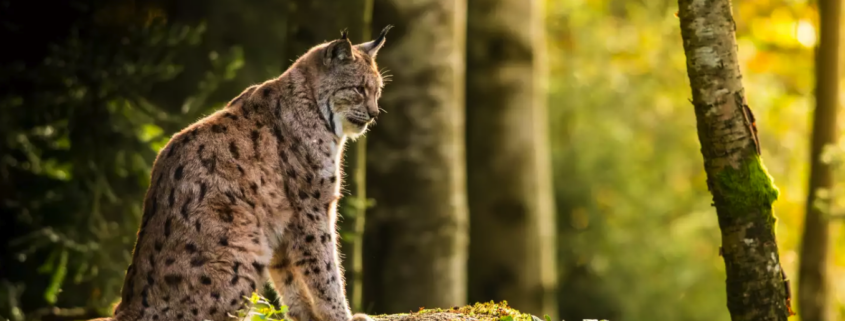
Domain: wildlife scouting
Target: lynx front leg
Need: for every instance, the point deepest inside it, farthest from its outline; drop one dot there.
(289, 285)
(313, 252)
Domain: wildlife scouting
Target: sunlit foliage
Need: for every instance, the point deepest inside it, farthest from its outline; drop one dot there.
(639, 238)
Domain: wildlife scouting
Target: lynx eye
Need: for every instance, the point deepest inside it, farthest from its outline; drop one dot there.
(360, 90)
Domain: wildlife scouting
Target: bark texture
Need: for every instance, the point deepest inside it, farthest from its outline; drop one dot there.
(507, 148)
(743, 192)
(416, 241)
(813, 278)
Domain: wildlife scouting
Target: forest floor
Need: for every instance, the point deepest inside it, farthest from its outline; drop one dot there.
(480, 311)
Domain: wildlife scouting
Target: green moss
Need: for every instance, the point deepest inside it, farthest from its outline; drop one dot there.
(482, 311)
(748, 189)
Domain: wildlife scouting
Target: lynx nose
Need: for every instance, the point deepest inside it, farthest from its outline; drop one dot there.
(372, 113)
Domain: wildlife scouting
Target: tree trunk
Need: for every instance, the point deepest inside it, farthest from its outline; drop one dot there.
(813, 275)
(512, 239)
(743, 192)
(360, 202)
(416, 240)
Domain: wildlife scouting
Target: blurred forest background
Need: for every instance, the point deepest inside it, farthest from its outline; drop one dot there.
(541, 152)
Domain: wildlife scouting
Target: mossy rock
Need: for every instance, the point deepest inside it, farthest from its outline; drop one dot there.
(480, 311)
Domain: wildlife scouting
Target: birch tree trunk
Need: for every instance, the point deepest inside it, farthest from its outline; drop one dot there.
(512, 239)
(415, 247)
(813, 275)
(743, 192)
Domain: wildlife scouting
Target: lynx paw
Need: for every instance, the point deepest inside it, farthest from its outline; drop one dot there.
(299, 313)
(361, 317)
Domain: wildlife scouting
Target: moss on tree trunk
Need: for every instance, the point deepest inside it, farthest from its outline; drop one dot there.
(743, 192)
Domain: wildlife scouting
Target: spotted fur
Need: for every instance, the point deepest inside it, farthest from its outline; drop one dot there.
(249, 193)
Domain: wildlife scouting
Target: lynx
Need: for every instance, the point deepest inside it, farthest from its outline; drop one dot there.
(250, 192)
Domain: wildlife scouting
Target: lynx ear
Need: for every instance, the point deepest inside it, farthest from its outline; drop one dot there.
(372, 47)
(338, 51)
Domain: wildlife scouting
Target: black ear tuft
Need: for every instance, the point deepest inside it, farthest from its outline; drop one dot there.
(344, 34)
(372, 47)
(384, 31)
(338, 51)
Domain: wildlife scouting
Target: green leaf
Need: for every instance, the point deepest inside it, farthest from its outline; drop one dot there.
(48, 263)
(149, 131)
(80, 272)
(506, 318)
(547, 317)
(59, 273)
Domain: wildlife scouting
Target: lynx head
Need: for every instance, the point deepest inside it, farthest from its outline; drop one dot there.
(348, 83)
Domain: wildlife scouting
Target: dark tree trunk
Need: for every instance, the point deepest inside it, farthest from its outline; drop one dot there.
(813, 275)
(358, 204)
(743, 192)
(512, 239)
(416, 240)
